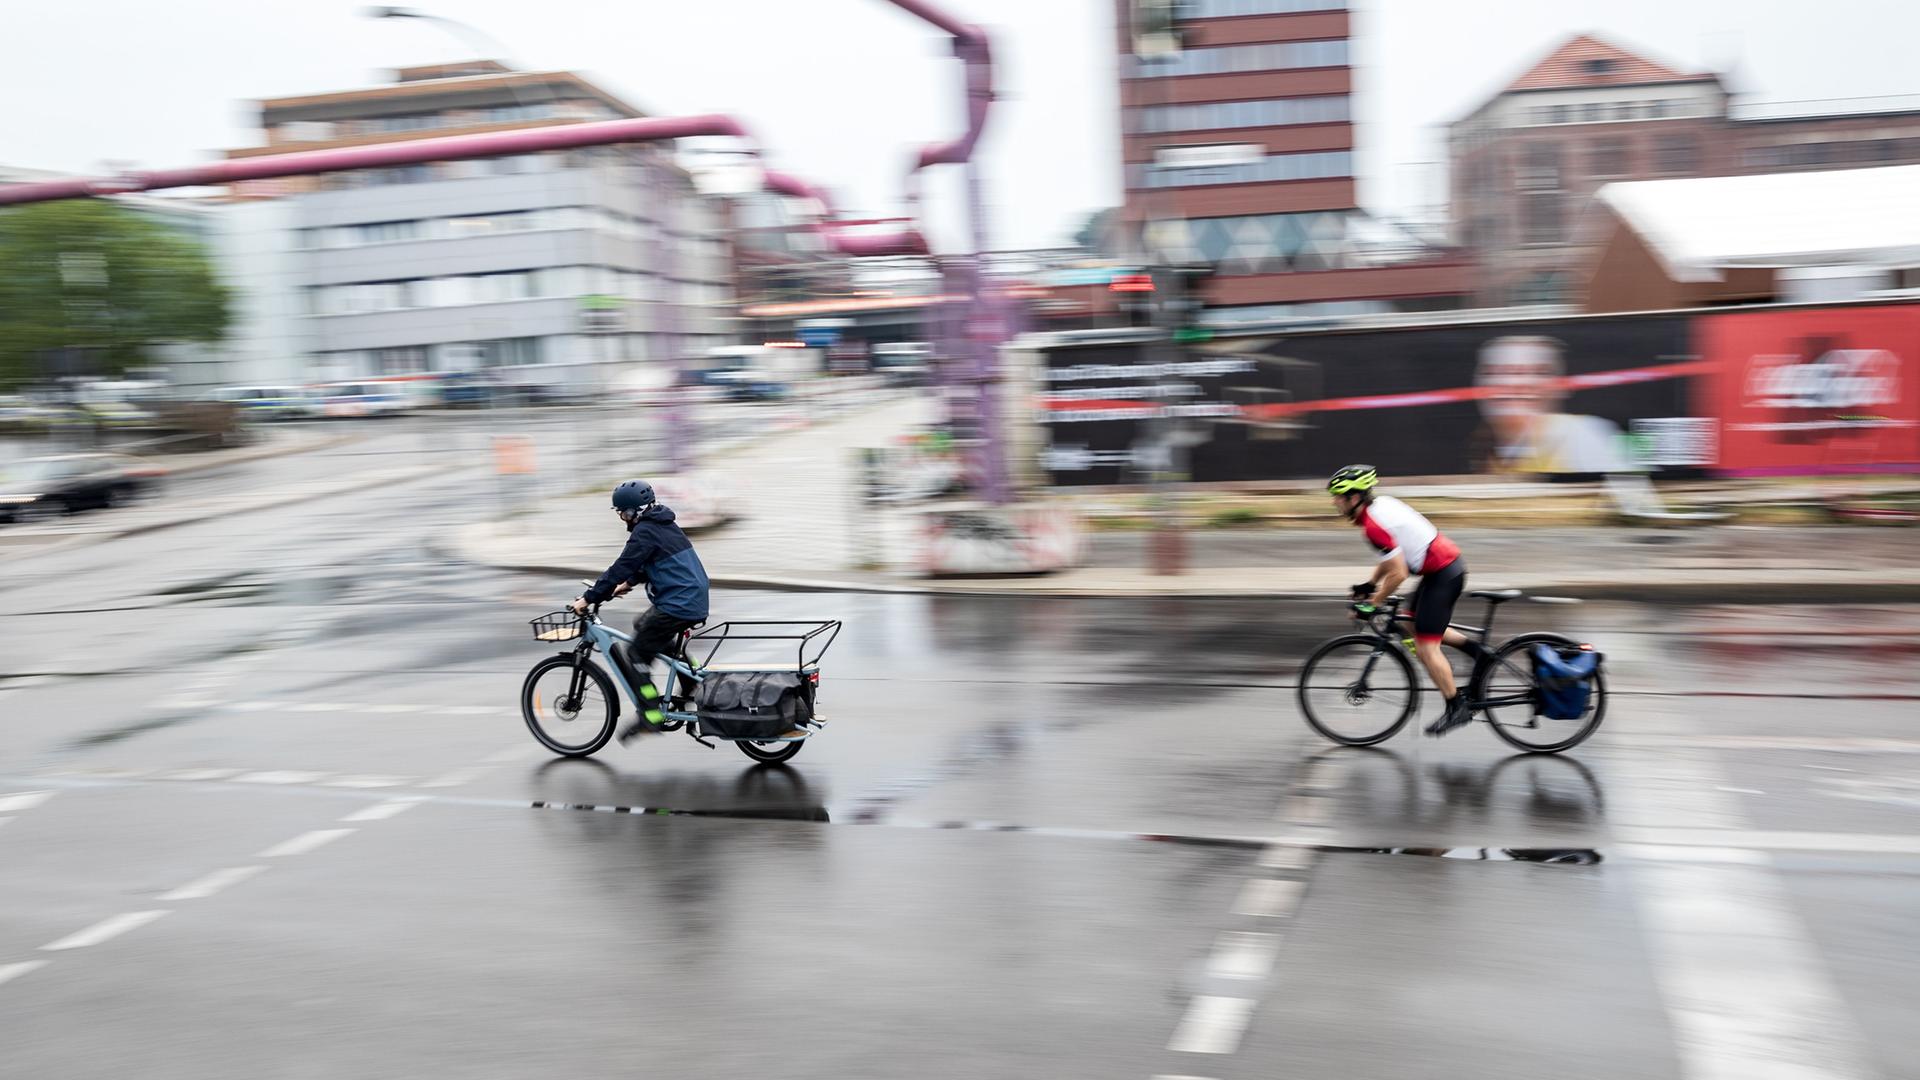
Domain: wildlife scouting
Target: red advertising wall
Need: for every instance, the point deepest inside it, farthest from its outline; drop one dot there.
(1813, 390)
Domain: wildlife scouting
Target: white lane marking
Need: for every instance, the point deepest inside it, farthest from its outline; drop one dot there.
(454, 778)
(10, 972)
(1285, 857)
(1671, 853)
(304, 843)
(368, 781)
(1309, 811)
(213, 883)
(1268, 898)
(187, 703)
(23, 800)
(1745, 990)
(1768, 840)
(200, 774)
(382, 810)
(1739, 790)
(1744, 987)
(250, 706)
(1169, 1076)
(1243, 955)
(469, 710)
(318, 706)
(392, 708)
(279, 776)
(1213, 1025)
(104, 930)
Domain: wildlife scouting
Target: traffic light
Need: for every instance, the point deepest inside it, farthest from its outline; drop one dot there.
(1181, 291)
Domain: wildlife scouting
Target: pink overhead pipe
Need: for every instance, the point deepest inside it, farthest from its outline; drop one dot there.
(971, 46)
(382, 155)
(908, 242)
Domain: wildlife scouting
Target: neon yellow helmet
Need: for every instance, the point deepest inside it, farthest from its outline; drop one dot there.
(1352, 480)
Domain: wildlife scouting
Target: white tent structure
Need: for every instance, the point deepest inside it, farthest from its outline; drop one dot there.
(1700, 227)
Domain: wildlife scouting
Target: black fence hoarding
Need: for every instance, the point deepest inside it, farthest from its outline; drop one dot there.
(1566, 398)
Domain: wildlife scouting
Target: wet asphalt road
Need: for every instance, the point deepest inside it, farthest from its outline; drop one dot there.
(267, 809)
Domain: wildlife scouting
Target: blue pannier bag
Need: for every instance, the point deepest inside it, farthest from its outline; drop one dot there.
(1563, 680)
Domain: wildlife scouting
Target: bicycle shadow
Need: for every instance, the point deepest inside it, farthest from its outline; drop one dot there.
(1521, 803)
(771, 792)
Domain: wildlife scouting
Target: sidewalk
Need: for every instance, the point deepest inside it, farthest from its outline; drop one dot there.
(795, 528)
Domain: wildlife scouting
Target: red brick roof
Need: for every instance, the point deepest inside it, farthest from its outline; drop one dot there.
(1588, 61)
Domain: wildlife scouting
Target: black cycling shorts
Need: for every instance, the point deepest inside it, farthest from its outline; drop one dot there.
(1433, 601)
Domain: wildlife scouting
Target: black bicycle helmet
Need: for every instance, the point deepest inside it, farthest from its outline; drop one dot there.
(1353, 479)
(633, 495)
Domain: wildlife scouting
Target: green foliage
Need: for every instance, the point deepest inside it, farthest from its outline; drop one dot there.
(91, 275)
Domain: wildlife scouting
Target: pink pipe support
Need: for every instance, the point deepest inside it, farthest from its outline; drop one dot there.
(971, 46)
(909, 242)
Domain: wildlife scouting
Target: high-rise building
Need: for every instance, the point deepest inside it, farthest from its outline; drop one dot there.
(1526, 163)
(1238, 149)
(566, 266)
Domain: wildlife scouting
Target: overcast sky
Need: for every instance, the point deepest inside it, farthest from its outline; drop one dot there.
(842, 91)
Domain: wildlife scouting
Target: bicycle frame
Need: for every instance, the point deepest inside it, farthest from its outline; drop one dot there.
(599, 637)
(1392, 615)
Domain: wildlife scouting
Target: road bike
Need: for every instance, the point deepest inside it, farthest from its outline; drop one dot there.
(1361, 689)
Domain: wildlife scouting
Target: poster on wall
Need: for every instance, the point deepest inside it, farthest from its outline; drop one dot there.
(1554, 399)
(1814, 390)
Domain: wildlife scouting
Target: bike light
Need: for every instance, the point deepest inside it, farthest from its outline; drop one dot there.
(1586, 647)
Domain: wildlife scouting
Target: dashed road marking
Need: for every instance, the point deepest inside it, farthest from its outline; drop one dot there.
(1268, 898)
(304, 843)
(10, 972)
(22, 800)
(382, 810)
(1213, 1024)
(1243, 955)
(368, 781)
(218, 881)
(104, 930)
(455, 778)
(280, 776)
(200, 774)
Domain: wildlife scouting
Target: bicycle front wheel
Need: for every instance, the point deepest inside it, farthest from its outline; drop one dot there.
(1505, 683)
(569, 710)
(1358, 690)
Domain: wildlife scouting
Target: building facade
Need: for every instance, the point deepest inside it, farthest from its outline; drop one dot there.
(565, 267)
(1525, 165)
(1238, 153)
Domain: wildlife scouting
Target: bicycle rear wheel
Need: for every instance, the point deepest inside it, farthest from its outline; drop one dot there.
(1358, 690)
(569, 724)
(1508, 677)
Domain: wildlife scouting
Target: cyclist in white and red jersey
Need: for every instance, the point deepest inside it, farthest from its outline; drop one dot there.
(1409, 545)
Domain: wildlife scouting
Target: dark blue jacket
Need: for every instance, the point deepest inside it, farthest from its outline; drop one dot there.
(660, 555)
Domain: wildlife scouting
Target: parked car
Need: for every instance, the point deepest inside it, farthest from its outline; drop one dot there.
(356, 399)
(267, 402)
(68, 483)
(744, 384)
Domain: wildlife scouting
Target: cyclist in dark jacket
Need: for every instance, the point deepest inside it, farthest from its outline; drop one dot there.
(659, 555)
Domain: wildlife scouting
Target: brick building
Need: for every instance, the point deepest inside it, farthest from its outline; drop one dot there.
(1526, 163)
(1238, 151)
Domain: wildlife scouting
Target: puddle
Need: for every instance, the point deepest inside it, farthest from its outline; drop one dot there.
(1555, 856)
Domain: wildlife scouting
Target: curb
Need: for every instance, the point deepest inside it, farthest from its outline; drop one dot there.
(1861, 588)
(326, 442)
(90, 539)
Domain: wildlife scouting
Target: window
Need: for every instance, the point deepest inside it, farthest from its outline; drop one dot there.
(1598, 65)
(1275, 112)
(1560, 114)
(1676, 154)
(1543, 218)
(1274, 167)
(407, 361)
(1221, 59)
(1541, 169)
(306, 131)
(1219, 9)
(1609, 158)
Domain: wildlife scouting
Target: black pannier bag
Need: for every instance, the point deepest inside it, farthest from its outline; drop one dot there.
(753, 704)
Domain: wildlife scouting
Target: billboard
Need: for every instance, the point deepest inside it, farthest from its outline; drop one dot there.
(1810, 390)
(1566, 398)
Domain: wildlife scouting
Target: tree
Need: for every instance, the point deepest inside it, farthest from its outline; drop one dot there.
(95, 279)
(1093, 232)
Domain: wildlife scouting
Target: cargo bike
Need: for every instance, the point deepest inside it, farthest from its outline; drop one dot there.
(572, 703)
